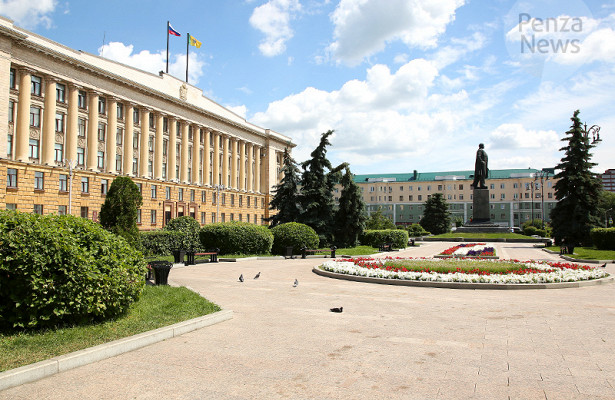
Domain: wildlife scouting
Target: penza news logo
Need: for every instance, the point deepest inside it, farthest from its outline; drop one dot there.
(550, 35)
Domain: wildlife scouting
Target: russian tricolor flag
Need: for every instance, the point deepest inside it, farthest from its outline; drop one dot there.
(173, 31)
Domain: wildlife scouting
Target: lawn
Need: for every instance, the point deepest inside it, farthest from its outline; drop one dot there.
(588, 253)
(506, 235)
(352, 251)
(159, 306)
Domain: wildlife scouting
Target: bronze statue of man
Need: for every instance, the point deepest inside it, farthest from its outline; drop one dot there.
(480, 168)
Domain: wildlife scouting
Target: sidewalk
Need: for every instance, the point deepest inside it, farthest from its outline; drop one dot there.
(390, 342)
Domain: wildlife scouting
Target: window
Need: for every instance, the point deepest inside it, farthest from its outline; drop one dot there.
(120, 111)
(33, 145)
(150, 168)
(104, 186)
(35, 117)
(11, 206)
(151, 120)
(59, 152)
(248, 200)
(101, 159)
(492, 196)
(223, 199)
(165, 145)
(150, 143)
(84, 212)
(102, 128)
(13, 79)
(102, 105)
(180, 194)
(135, 166)
(192, 195)
(81, 127)
(118, 163)
(550, 195)
(203, 217)
(240, 201)
(213, 217)
(222, 217)
(492, 186)
(39, 178)
(515, 185)
(82, 99)
(80, 156)
(167, 193)
(140, 186)
(165, 124)
(60, 93)
(38, 209)
(502, 185)
(502, 196)
(119, 136)
(61, 210)
(36, 85)
(154, 190)
(11, 178)
(439, 188)
(135, 141)
(63, 183)
(401, 198)
(85, 184)
(139, 216)
(59, 122)
(153, 217)
(203, 196)
(135, 116)
(248, 218)
(420, 197)
(11, 111)
(164, 170)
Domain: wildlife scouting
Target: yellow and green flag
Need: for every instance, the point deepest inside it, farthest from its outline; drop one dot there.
(194, 42)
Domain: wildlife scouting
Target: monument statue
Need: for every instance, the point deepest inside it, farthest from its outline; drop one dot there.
(481, 168)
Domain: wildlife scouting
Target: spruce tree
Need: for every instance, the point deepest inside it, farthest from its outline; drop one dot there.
(577, 191)
(351, 215)
(286, 194)
(436, 217)
(316, 199)
(377, 220)
(118, 214)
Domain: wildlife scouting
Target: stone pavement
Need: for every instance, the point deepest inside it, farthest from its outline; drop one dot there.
(391, 342)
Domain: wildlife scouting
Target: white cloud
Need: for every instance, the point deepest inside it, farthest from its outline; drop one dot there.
(273, 19)
(154, 62)
(515, 136)
(241, 110)
(364, 27)
(27, 13)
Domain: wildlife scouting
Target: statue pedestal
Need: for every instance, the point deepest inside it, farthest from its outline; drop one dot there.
(480, 206)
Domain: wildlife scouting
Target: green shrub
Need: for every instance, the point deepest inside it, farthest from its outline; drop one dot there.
(603, 238)
(237, 238)
(415, 230)
(375, 238)
(160, 242)
(293, 234)
(530, 230)
(189, 229)
(57, 270)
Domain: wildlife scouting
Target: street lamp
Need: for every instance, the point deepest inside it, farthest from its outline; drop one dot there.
(606, 220)
(594, 131)
(218, 189)
(71, 165)
(543, 176)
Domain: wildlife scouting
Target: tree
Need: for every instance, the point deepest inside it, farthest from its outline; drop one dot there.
(436, 217)
(606, 207)
(377, 220)
(350, 216)
(286, 194)
(316, 197)
(119, 212)
(577, 190)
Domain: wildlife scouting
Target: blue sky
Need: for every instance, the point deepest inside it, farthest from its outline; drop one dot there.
(405, 84)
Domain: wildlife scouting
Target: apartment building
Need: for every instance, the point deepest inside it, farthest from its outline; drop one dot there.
(71, 121)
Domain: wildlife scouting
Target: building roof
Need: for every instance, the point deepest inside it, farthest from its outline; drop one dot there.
(444, 175)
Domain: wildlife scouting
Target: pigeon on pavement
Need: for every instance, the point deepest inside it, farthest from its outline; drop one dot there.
(241, 278)
(337, 309)
(603, 265)
(296, 283)
(257, 276)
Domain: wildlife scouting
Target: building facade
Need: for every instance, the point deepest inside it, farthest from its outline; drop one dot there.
(608, 180)
(71, 121)
(516, 195)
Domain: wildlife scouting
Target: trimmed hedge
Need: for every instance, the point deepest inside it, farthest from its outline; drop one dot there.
(293, 234)
(375, 238)
(237, 238)
(160, 242)
(603, 238)
(57, 270)
(189, 229)
(532, 230)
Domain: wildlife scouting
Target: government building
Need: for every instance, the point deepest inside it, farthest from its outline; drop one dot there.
(515, 195)
(70, 122)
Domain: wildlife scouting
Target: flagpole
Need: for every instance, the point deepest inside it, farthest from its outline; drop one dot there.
(187, 53)
(168, 25)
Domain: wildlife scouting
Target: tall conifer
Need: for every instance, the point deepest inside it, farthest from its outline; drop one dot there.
(351, 216)
(286, 194)
(436, 217)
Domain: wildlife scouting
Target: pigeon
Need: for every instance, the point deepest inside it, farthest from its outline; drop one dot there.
(296, 283)
(257, 276)
(241, 278)
(336, 309)
(603, 265)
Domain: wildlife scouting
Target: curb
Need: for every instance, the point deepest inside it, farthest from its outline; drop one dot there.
(52, 366)
(463, 285)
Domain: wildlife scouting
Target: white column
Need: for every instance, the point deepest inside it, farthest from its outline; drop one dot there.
(22, 131)
(144, 142)
(128, 138)
(92, 139)
(111, 135)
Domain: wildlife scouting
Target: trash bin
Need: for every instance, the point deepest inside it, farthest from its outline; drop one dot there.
(178, 256)
(289, 252)
(190, 258)
(161, 271)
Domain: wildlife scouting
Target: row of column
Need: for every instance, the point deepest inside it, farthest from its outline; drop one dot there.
(245, 157)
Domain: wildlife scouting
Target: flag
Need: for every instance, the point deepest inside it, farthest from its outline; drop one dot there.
(194, 42)
(173, 31)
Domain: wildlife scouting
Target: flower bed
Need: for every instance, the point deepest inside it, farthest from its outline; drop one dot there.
(475, 250)
(466, 271)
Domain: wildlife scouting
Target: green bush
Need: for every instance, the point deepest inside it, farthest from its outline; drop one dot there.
(530, 230)
(603, 238)
(57, 270)
(160, 242)
(237, 238)
(415, 230)
(293, 234)
(189, 229)
(375, 238)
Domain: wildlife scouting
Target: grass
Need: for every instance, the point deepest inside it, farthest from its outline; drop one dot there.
(588, 253)
(352, 251)
(446, 266)
(506, 235)
(159, 306)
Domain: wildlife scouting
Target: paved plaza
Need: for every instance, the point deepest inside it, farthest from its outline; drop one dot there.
(391, 342)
